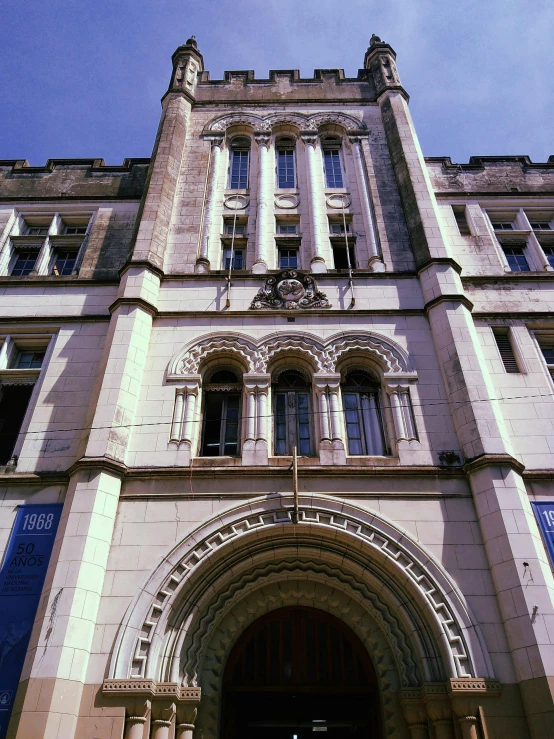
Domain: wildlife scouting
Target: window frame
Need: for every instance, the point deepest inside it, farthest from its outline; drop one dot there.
(19, 250)
(374, 390)
(521, 248)
(331, 174)
(240, 145)
(285, 148)
(292, 421)
(224, 391)
(281, 255)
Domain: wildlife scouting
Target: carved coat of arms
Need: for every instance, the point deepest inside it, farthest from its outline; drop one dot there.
(291, 290)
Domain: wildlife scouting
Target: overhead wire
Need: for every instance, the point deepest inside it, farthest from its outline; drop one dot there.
(458, 403)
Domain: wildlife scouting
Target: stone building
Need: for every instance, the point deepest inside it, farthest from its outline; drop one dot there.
(286, 272)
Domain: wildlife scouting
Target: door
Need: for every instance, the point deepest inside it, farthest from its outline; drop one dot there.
(297, 672)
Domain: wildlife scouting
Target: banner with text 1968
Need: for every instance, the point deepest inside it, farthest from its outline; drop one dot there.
(21, 580)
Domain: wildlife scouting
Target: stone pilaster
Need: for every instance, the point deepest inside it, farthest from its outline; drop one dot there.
(255, 449)
(264, 202)
(314, 175)
(155, 213)
(203, 258)
(508, 528)
(375, 258)
(329, 419)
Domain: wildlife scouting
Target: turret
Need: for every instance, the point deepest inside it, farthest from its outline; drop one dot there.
(380, 61)
(187, 65)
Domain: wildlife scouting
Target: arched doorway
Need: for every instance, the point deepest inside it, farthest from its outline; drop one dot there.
(298, 671)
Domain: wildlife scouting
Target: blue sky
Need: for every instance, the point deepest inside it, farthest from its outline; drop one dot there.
(83, 78)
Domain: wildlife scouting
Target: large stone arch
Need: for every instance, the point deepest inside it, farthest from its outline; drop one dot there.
(323, 355)
(430, 611)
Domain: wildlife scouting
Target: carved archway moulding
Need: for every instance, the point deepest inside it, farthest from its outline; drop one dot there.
(323, 355)
(143, 635)
(299, 120)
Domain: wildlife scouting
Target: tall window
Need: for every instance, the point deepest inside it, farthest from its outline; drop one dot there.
(285, 163)
(362, 412)
(220, 436)
(331, 161)
(238, 171)
(292, 414)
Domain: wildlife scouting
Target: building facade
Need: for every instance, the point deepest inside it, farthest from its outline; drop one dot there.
(292, 383)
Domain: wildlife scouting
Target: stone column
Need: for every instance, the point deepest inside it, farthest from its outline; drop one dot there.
(440, 713)
(263, 415)
(178, 408)
(251, 414)
(324, 424)
(375, 258)
(163, 715)
(401, 409)
(331, 444)
(186, 717)
(190, 407)
(264, 201)
(256, 390)
(314, 177)
(415, 713)
(203, 259)
(137, 713)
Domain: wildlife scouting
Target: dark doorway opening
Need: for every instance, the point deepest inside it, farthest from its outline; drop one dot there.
(297, 673)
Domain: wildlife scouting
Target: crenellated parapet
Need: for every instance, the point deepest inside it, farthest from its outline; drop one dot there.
(494, 174)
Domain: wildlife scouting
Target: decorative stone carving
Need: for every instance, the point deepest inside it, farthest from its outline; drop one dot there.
(303, 122)
(414, 572)
(290, 290)
(236, 202)
(286, 202)
(255, 355)
(338, 201)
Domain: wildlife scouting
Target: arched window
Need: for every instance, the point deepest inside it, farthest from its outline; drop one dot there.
(331, 161)
(220, 437)
(286, 176)
(292, 414)
(238, 169)
(362, 413)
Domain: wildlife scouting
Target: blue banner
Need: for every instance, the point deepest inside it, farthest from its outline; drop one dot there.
(544, 513)
(21, 579)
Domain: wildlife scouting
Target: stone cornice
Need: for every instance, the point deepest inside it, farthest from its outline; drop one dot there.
(456, 298)
(136, 687)
(145, 265)
(440, 261)
(139, 302)
(493, 460)
(99, 463)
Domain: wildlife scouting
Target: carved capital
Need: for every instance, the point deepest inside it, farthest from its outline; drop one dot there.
(327, 380)
(215, 141)
(262, 139)
(414, 708)
(309, 138)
